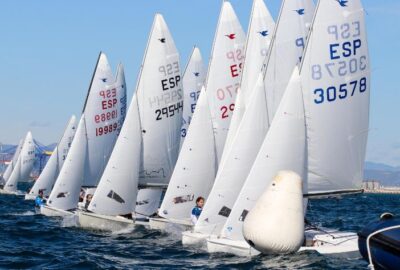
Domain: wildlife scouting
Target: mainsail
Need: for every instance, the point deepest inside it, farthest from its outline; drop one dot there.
(336, 83)
(23, 165)
(193, 80)
(160, 98)
(53, 167)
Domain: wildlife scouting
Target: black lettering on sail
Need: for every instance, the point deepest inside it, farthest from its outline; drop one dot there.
(183, 199)
(243, 215)
(225, 211)
(115, 197)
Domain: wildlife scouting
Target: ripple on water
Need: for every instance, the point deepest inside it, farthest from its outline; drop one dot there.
(34, 241)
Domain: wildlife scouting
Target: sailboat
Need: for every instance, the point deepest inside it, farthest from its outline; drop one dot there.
(12, 164)
(192, 82)
(201, 151)
(152, 128)
(48, 177)
(334, 153)
(23, 166)
(240, 156)
(98, 128)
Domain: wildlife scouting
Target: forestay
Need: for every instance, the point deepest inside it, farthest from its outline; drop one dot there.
(236, 165)
(286, 49)
(284, 148)
(193, 80)
(224, 73)
(24, 164)
(336, 85)
(160, 98)
(195, 169)
(104, 110)
(117, 189)
(53, 166)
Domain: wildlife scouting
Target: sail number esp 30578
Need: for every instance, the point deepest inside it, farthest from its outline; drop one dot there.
(346, 60)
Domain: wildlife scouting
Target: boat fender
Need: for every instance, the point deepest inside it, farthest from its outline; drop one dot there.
(275, 225)
(386, 216)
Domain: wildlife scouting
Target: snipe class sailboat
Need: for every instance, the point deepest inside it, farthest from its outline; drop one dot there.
(22, 167)
(250, 134)
(334, 82)
(12, 163)
(201, 151)
(97, 131)
(53, 167)
(154, 114)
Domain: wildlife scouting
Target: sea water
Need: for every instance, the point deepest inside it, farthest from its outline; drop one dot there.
(29, 240)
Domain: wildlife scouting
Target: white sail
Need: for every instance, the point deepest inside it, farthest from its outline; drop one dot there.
(195, 170)
(24, 164)
(224, 73)
(284, 148)
(235, 167)
(287, 48)
(336, 85)
(259, 37)
(160, 99)
(104, 110)
(65, 193)
(193, 80)
(49, 175)
(147, 202)
(117, 189)
(13, 162)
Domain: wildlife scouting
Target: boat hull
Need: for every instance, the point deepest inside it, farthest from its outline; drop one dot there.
(169, 224)
(54, 212)
(238, 248)
(29, 197)
(190, 238)
(384, 246)
(102, 222)
(326, 242)
(6, 192)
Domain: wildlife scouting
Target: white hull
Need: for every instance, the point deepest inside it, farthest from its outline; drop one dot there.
(54, 212)
(6, 192)
(30, 197)
(102, 222)
(170, 224)
(190, 238)
(338, 244)
(238, 248)
(335, 243)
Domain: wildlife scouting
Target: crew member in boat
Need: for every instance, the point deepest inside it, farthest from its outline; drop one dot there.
(81, 195)
(196, 211)
(39, 199)
(88, 200)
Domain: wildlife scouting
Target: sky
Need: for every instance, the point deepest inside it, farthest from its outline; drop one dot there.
(48, 50)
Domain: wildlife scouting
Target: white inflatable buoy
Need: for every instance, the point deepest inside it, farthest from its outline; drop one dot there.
(275, 225)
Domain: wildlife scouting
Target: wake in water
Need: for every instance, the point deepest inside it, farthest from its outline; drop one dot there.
(26, 213)
(70, 221)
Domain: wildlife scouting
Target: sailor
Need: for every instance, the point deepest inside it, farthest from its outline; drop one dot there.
(39, 199)
(196, 211)
(88, 200)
